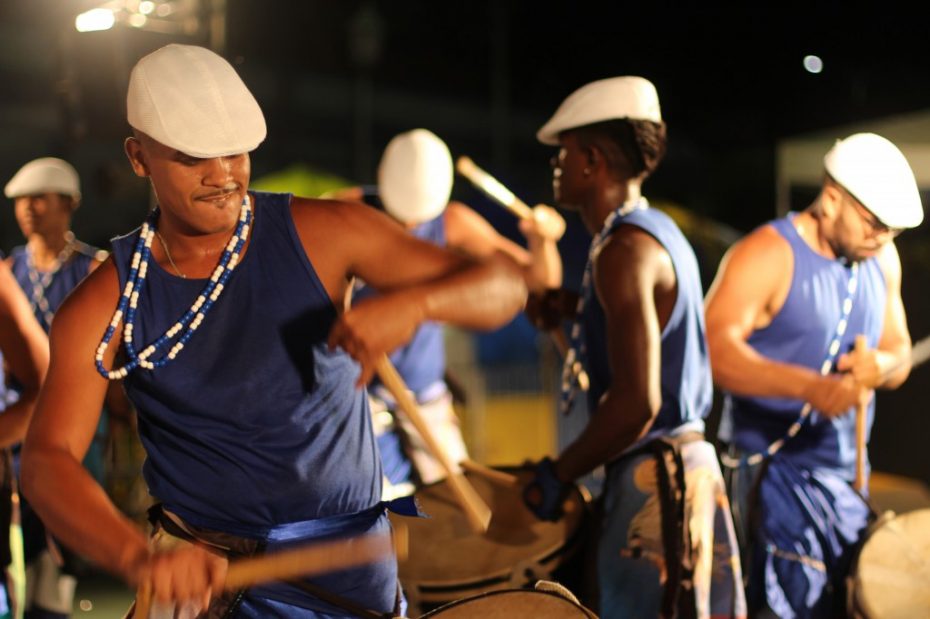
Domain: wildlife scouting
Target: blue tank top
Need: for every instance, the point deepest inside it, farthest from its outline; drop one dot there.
(68, 276)
(422, 361)
(686, 384)
(800, 334)
(256, 423)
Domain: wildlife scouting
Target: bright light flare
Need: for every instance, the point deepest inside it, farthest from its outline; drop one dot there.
(137, 20)
(813, 64)
(146, 7)
(94, 19)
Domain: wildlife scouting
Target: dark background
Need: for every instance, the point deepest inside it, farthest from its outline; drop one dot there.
(338, 79)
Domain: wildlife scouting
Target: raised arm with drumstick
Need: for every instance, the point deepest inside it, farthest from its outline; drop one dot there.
(804, 320)
(547, 307)
(415, 178)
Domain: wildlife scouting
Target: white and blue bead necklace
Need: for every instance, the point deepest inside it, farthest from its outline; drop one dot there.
(573, 363)
(184, 328)
(40, 283)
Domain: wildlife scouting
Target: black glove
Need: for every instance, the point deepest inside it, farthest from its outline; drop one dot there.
(546, 493)
(546, 310)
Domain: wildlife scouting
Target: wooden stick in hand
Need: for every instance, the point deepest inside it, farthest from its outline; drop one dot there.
(506, 198)
(309, 559)
(498, 478)
(493, 187)
(476, 510)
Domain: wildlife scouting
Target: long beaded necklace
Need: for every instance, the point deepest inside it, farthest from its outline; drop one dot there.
(40, 283)
(184, 328)
(572, 365)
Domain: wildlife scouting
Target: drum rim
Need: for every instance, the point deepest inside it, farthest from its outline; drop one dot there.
(454, 603)
(857, 604)
(569, 546)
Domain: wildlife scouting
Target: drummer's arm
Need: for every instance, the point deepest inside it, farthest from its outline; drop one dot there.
(25, 351)
(69, 501)
(626, 275)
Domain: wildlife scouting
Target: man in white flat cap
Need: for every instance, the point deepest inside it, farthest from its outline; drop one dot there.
(415, 179)
(236, 351)
(804, 321)
(45, 193)
(665, 545)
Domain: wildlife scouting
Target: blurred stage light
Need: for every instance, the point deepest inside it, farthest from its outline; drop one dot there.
(813, 64)
(163, 16)
(94, 19)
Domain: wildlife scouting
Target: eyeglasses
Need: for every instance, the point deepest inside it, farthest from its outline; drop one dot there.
(876, 227)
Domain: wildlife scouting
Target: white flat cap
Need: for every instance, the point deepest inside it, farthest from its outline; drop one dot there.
(45, 175)
(877, 174)
(415, 176)
(192, 100)
(628, 96)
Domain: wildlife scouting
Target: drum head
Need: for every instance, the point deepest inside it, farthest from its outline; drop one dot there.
(445, 551)
(893, 571)
(516, 604)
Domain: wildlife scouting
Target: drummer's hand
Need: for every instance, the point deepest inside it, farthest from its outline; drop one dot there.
(374, 327)
(545, 493)
(187, 576)
(833, 395)
(863, 365)
(547, 309)
(546, 224)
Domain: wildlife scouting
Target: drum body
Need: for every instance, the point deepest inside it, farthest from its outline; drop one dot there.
(891, 576)
(512, 604)
(448, 561)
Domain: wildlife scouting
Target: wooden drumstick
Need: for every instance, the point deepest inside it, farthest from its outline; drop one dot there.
(498, 478)
(493, 187)
(496, 190)
(859, 483)
(476, 510)
(307, 560)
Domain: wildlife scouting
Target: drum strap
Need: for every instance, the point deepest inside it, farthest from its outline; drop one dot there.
(224, 606)
(678, 600)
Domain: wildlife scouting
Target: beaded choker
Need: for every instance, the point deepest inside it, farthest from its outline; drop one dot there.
(40, 283)
(184, 328)
(573, 363)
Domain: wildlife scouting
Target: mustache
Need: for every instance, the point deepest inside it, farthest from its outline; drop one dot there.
(228, 189)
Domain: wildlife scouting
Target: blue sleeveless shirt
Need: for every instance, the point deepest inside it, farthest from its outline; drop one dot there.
(256, 423)
(422, 361)
(63, 282)
(800, 334)
(686, 384)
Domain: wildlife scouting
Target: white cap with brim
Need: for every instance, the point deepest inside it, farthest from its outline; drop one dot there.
(415, 176)
(192, 100)
(45, 175)
(629, 97)
(877, 174)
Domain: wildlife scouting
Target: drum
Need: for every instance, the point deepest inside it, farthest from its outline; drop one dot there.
(892, 572)
(448, 561)
(513, 604)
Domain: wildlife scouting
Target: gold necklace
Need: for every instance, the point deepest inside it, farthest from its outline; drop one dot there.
(168, 255)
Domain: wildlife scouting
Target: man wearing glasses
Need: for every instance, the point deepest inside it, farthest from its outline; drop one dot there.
(788, 303)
